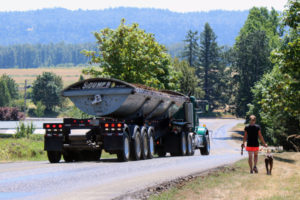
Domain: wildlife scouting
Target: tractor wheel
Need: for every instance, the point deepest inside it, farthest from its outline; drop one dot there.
(182, 143)
(189, 145)
(206, 149)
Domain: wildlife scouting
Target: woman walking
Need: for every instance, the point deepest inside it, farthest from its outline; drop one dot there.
(252, 133)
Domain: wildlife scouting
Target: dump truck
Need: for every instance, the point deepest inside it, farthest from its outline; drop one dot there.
(130, 120)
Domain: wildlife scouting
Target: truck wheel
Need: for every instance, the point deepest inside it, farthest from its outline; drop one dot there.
(189, 145)
(206, 149)
(95, 155)
(123, 155)
(54, 156)
(145, 143)
(136, 150)
(68, 156)
(151, 145)
(182, 144)
(161, 152)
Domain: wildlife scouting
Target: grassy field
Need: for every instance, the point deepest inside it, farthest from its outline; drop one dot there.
(26, 149)
(235, 182)
(69, 75)
(17, 149)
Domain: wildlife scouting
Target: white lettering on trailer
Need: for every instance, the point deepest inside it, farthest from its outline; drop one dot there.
(97, 85)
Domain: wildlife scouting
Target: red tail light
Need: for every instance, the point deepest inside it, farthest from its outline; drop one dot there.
(47, 125)
(54, 126)
(89, 121)
(60, 126)
(74, 121)
(119, 125)
(113, 125)
(106, 125)
(81, 121)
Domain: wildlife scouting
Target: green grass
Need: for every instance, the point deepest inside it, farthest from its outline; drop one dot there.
(27, 149)
(165, 195)
(19, 149)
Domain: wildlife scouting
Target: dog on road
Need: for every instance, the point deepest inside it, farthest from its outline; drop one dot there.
(269, 161)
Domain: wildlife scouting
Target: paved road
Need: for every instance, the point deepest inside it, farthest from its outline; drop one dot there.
(109, 179)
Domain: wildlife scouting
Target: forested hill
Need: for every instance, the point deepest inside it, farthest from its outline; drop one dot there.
(57, 25)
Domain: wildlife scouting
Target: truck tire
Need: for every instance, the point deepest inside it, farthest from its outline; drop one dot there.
(182, 143)
(145, 143)
(151, 146)
(123, 155)
(136, 150)
(206, 149)
(189, 145)
(94, 155)
(54, 156)
(68, 156)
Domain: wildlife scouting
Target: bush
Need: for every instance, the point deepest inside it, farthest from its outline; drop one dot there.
(24, 131)
(40, 109)
(10, 114)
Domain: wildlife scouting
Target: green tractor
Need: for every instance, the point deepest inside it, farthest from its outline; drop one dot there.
(201, 133)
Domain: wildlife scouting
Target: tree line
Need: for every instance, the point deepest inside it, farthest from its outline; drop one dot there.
(39, 55)
(57, 24)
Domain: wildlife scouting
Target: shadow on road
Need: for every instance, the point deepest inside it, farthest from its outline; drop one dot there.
(284, 160)
(229, 138)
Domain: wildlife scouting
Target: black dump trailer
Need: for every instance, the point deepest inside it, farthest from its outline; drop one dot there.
(131, 121)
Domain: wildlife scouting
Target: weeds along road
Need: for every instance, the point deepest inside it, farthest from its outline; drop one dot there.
(109, 179)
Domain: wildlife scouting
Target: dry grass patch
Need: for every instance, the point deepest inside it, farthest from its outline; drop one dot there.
(69, 75)
(237, 183)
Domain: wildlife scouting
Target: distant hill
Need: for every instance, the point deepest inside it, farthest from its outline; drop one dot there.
(57, 25)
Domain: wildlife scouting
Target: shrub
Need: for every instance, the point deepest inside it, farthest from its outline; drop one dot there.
(40, 109)
(24, 130)
(10, 114)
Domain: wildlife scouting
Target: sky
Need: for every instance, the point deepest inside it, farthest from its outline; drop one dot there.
(173, 5)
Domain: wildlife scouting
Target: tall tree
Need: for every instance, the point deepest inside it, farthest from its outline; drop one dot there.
(187, 78)
(210, 68)
(191, 48)
(258, 36)
(46, 88)
(5, 95)
(11, 85)
(129, 53)
(252, 60)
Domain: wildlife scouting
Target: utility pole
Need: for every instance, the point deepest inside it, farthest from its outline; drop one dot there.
(25, 87)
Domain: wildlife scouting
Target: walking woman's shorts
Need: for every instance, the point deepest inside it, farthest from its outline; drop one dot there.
(252, 148)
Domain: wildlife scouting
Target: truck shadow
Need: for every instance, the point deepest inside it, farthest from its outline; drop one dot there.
(108, 160)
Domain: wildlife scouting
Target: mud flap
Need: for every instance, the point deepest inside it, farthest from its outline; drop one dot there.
(53, 143)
